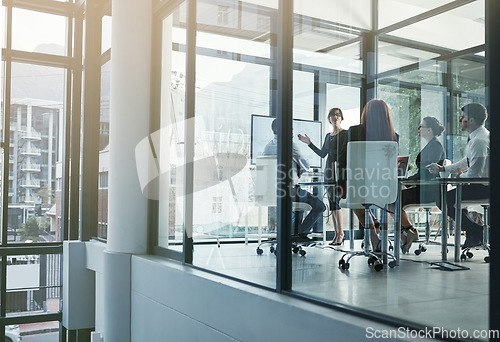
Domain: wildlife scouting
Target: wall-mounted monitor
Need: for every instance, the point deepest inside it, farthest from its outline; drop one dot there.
(262, 134)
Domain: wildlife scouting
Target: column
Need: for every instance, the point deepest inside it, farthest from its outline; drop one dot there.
(129, 124)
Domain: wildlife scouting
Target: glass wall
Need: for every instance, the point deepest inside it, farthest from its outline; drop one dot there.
(423, 59)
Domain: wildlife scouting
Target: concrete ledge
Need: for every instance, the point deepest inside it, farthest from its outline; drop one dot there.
(193, 303)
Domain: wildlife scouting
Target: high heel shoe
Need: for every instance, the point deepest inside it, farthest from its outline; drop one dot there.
(333, 243)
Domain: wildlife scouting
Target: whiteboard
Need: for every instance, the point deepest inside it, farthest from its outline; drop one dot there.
(262, 134)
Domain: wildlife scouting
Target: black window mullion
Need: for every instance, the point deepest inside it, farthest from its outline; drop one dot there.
(284, 115)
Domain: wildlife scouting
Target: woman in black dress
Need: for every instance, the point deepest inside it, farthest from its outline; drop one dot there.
(335, 147)
(433, 152)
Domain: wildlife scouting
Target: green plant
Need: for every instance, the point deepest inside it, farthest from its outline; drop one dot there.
(30, 229)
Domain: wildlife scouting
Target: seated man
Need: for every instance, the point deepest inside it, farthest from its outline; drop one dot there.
(300, 165)
(475, 164)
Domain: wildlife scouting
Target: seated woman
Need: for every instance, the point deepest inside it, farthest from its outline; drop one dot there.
(376, 125)
(433, 152)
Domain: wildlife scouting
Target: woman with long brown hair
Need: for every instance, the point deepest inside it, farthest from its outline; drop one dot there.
(376, 125)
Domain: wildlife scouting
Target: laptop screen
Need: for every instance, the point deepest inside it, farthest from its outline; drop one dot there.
(403, 163)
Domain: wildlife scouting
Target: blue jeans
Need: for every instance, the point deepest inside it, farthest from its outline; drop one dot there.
(303, 227)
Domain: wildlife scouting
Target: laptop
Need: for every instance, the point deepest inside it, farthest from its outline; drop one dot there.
(403, 164)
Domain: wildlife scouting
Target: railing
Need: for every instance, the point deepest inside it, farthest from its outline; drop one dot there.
(30, 167)
(32, 135)
(35, 183)
(31, 151)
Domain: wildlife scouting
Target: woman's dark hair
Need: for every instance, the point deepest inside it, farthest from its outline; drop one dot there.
(377, 122)
(332, 113)
(434, 124)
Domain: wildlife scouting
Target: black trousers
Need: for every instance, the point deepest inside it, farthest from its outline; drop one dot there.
(469, 192)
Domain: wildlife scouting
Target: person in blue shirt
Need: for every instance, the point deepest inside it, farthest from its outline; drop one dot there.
(300, 165)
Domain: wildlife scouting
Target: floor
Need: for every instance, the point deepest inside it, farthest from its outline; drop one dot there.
(415, 291)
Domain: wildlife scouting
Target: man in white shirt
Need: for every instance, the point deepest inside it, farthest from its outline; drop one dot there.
(475, 164)
(300, 165)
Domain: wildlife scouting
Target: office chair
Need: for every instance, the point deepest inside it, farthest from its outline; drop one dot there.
(265, 195)
(485, 205)
(372, 180)
(427, 206)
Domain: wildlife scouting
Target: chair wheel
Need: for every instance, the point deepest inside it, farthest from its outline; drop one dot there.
(391, 248)
(295, 249)
(302, 252)
(418, 251)
(272, 249)
(392, 264)
(341, 263)
(345, 266)
(487, 259)
(463, 257)
(424, 249)
(371, 260)
(259, 251)
(469, 254)
(379, 267)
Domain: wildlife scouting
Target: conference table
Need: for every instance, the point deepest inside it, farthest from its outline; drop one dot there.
(443, 184)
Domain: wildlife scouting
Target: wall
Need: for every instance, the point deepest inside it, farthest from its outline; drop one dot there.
(175, 302)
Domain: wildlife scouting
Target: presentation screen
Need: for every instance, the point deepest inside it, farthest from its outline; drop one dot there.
(262, 134)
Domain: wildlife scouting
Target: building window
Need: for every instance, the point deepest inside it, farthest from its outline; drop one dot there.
(223, 15)
(217, 205)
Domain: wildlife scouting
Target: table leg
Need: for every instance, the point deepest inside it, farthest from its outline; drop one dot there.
(351, 230)
(458, 220)
(444, 229)
(397, 228)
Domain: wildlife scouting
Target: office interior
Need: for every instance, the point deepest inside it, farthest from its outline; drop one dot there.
(130, 143)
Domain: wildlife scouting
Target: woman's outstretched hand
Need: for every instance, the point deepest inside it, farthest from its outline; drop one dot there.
(304, 138)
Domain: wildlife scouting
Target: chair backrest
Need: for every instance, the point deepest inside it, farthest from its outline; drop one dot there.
(265, 180)
(372, 173)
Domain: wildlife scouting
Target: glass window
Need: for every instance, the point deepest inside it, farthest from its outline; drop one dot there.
(102, 206)
(430, 63)
(169, 141)
(456, 29)
(231, 89)
(393, 11)
(48, 37)
(33, 284)
(35, 117)
(422, 70)
(106, 33)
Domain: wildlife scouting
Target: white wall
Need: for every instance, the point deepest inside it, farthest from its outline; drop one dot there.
(177, 303)
(174, 302)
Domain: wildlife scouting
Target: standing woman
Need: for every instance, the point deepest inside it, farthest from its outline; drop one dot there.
(335, 147)
(433, 152)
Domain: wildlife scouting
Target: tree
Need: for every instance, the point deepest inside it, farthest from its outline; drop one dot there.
(30, 229)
